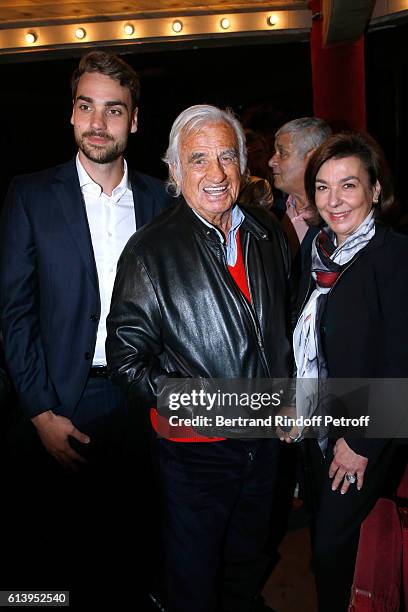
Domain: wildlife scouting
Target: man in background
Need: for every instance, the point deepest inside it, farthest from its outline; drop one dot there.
(295, 142)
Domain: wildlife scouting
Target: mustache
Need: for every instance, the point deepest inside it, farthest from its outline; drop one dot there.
(100, 134)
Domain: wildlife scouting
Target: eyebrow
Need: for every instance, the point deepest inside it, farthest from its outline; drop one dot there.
(200, 154)
(108, 103)
(196, 155)
(342, 180)
(232, 151)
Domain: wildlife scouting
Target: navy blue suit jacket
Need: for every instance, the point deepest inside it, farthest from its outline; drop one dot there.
(49, 294)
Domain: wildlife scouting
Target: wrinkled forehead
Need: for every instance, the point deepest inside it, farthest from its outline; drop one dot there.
(206, 136)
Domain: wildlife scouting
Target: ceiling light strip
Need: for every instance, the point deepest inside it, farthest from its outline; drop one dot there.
(145, 30)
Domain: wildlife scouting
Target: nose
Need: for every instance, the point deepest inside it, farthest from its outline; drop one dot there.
(98, 120)
(273, 161)
(334, 198)
(215, 172)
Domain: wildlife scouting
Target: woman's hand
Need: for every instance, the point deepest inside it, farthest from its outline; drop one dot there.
(346, 461)
(288, 433)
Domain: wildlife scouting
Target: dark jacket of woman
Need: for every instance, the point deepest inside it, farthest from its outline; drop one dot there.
(364, 324)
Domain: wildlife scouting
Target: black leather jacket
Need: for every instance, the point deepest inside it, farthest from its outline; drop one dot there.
(176, 309)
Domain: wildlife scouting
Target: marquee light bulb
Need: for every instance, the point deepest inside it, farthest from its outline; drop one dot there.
(177, 26)
(80, 33)
(128, 29)
(31, 37)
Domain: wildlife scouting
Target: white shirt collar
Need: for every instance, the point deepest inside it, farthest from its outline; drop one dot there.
(87, 184)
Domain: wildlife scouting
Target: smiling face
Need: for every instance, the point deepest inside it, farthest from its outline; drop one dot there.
(102, 117)
(344, 195)
(210, 172)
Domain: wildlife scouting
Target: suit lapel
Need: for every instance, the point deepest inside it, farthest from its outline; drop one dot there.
(142, 206)
(68, 193)
(378, 239)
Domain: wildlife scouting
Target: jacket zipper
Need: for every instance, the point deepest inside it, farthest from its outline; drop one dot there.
(252, 312)
(248, 307)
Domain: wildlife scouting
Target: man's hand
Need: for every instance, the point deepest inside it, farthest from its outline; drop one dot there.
(346, 461)
(54, 430)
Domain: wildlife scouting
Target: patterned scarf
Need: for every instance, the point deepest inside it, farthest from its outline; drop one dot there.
(328, 262)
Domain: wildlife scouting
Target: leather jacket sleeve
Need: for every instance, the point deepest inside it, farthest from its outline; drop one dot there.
(133, 358)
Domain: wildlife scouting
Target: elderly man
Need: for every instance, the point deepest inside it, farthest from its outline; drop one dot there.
(202, 292)
(295, 142)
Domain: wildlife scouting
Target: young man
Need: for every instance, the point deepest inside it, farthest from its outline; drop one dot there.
(62, 231)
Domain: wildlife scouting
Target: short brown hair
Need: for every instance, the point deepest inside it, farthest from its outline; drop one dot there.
(353, 144)
(112, 66)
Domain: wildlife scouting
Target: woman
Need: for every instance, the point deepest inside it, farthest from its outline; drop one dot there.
(353, 324)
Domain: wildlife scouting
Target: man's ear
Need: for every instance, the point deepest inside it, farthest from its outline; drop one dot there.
(72, 114)
(309, 154)
(133, 122)
(173, 174)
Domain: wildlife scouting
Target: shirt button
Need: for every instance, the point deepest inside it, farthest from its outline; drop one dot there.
(87, 356)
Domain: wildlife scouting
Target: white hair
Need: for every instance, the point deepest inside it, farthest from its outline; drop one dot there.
(190, 120)
(307, 133)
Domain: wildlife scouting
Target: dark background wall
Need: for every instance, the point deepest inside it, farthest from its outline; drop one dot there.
(387, 98)
(35, 101)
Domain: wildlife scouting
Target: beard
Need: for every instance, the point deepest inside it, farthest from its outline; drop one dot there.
(101, 154)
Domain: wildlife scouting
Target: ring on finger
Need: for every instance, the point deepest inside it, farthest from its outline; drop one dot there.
(351, 478)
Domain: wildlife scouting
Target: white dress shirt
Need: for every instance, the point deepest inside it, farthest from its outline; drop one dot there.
(111, 222)
(298, 222)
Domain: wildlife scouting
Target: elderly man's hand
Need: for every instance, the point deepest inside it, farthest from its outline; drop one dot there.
(288, 434)
(346, 462)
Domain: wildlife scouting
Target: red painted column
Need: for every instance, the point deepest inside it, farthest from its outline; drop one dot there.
(338, 74)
